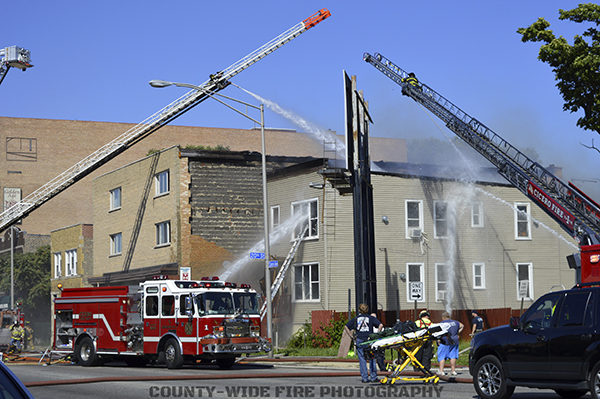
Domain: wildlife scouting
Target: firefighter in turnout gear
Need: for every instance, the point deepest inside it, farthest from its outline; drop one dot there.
(412, 80)
(426, 352)
(17, 334)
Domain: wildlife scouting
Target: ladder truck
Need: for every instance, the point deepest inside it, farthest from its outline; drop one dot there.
(215, 83)
(15, 57)
(574, 211)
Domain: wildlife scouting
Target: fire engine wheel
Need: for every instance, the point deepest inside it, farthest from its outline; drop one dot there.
(173, 357)
(85, 352)
(226, 362)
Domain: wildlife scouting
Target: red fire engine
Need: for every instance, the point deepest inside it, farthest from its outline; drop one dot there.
(159, 321)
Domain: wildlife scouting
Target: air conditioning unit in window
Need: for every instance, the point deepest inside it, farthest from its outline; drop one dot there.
(416, 233)
(441, 295)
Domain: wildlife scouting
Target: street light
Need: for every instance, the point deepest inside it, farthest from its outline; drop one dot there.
(12, 265)
(163, 83)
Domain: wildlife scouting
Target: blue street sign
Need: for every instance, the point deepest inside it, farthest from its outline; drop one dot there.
(273, 264)
(257, 255)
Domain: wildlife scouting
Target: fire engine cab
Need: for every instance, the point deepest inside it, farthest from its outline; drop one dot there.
(160, 320)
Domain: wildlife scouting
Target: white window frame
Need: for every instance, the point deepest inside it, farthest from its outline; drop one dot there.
(481, 275)
(114, 239)
(421, 279)
(409, 230)
(71, 262)
(527, 205)
(436, 219)
(275, 221)
(163, 233)
(305, 297)
(113, 199)
(159, 190)
(57, 265)
(477, 211)
(312, 221)
(530, 275)
(438, 297)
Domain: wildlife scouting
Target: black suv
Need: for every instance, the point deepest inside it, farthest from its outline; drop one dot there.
(555, 344)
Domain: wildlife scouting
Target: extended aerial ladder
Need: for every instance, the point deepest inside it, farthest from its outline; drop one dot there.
(215, 83)
(15, 57)
(577, 214)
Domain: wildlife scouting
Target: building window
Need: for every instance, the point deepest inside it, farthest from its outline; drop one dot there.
(275, 211)
(440, 219)
(524, 281)
(115, 199)
(522, 221)
(414, 218)
(71, 263)
(161, 183)
(414, 273)
(441, 282)
(478, 275)
(477, 214)
(306, 282)
(310, 217)
(57, 265)
(116, 243)
(163, 233)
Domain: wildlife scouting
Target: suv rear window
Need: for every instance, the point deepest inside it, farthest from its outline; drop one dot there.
(575, 310)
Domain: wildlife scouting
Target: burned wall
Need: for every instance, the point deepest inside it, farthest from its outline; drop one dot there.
(226, 201)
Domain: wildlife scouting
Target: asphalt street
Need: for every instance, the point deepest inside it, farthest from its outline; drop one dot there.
(242, 381)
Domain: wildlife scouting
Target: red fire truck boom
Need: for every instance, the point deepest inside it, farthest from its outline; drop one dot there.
(159, 321)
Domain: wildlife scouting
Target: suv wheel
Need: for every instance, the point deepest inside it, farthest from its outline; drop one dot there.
(489, 379)
(594, 382)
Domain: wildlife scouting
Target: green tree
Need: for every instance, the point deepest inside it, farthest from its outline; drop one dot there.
(576, 66)
(31, 280)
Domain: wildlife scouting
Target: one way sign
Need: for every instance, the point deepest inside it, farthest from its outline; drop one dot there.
(416, 290)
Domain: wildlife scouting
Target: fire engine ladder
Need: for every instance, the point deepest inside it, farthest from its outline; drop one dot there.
(139, 217)
(183, 104)
(283, 270)
(512, 164)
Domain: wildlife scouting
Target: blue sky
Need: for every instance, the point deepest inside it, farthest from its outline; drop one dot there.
(93, 61)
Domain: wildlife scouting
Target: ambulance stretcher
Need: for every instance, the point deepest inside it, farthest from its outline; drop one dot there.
(407, 345)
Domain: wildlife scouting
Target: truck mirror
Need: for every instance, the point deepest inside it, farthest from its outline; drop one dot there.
(188, 304)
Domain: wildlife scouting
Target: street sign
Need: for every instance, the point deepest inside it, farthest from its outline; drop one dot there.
(524, 289)
(185, 273)
(257, 255)
(416, 290)
(273, 264)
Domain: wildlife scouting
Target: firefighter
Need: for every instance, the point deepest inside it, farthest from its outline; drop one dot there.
(17, 334)
(28, 341)
(412, 80)
(426, 352)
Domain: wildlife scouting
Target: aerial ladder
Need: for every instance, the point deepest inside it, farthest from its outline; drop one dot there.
(13, 57)
(215, 83)
(575, 212)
